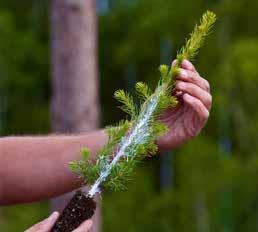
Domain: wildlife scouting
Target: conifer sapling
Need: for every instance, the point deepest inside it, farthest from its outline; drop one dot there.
(130, 141)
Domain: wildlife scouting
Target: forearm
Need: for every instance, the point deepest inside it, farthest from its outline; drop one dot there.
(34, 168)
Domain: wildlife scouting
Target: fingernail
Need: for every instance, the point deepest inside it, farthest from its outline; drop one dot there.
(54, 215)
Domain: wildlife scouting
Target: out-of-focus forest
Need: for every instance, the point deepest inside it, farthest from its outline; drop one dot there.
(213, 179)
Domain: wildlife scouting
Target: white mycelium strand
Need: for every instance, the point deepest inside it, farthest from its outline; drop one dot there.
(141, 131)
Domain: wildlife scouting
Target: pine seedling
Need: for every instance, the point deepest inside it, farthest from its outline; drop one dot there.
(132, 140)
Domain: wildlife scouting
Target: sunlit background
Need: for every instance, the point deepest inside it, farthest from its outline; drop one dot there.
(211, 183)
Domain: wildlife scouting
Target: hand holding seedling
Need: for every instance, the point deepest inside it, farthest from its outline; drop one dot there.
(167, 116)
(187, 120)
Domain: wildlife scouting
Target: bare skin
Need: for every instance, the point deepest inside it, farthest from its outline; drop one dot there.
(47, 224)
(35, 168)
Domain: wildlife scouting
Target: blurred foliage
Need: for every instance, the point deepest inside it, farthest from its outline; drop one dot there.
(20, 217)
(24, 66)
(24, 88)
(214, 186)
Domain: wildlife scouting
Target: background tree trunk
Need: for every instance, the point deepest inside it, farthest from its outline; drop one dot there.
(75, 106)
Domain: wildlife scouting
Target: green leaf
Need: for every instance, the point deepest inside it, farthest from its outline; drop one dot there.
(159, 129)
(163, 69)
(197, 37)
(165, 102)
(85, 153)
(126, 99)
(143, 90)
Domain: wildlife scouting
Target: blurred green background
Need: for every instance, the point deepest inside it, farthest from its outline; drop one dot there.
(213, 179)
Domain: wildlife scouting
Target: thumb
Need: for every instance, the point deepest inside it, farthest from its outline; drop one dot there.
(45, 225)
(84, 227)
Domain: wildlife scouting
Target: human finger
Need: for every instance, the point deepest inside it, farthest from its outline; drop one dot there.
(174, 63)
(194, 78)
(197, 106)
(195, 91)
(84, 227)
(45, 225)
(186, 64)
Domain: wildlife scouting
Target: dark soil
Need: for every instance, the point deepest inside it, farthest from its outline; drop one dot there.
(79, 209)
